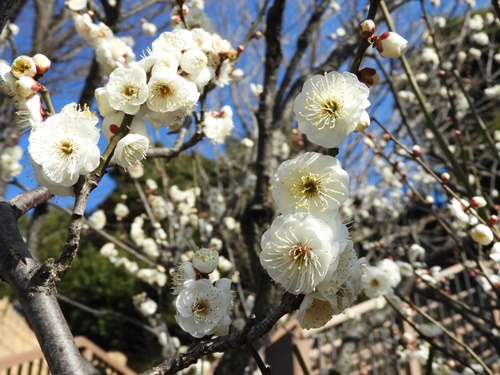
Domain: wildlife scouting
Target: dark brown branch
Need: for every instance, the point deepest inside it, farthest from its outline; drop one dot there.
(6, 7)
(17, 267)
(252, 332)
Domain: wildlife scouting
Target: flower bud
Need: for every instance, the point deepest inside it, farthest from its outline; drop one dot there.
(148, 28)
(445, 178)
(42, 63)
(366, 28)
(416, 150)
(363, 123)
(493, 220)
(477, 202)
(369, 76)
(257, 35)
(23, 66)
(193, 61)
(26, 86)
(390, 44)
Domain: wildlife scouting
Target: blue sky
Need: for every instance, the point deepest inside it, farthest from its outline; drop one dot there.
(71, 91)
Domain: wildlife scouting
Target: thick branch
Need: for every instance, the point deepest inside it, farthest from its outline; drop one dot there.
(246, 336)
(17, 267)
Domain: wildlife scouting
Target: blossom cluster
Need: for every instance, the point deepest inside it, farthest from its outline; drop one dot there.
(307, 249)
(111, 51)
(203, 307)
(20, 80)
(162, 88)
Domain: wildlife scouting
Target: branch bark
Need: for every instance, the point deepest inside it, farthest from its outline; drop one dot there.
(17, 267)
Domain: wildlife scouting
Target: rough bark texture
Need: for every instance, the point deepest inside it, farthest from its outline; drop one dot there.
(17, 267)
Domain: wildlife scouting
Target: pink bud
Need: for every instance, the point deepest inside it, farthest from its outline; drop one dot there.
(27, 87)
(42, 63)
(493, 220)
(390, 45)
(445, 178)
(366, 29)
(416, 150)
(477, 202)
(369, 76)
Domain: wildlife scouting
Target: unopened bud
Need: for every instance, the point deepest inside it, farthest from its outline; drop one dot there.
(366, 29)
(458, 133)
(493, 220)
(26, 86)
(363, 123)
(369, 76)
(241, 48)
(477, 202)
(390, 45)
(416, 150)
(42, 63)
(429, 200)
(445, 178)
(257, 35)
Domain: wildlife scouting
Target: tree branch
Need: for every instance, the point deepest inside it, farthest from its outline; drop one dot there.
(250, 333)
(17, 267)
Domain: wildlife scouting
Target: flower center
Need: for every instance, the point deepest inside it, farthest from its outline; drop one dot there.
(130, 91)
(299, 251)
(66, 147)
(332, 108)
(201, 308)
(310, 185)
(312, 188)
(165, 90)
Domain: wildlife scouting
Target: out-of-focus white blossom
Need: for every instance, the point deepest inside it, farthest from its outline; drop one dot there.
(98, 219)
(482, 234)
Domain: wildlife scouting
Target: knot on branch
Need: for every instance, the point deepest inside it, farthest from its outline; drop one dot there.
(44, 278)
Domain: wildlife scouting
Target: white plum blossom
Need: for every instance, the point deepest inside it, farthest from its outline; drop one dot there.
(391, 269)
(203, 309)
(330, 106)
(9, 160)
(128, 90)
(65, 146)
(109, 250)
(495, 252)
(98, 219)
(130, 150)
(169, 92)
(218, 125)
(376, 282)
(482, 234)
(297, 251)
(311, 182)
(150, 247)
(121, 210)
(23, 66)
(205, 260)
(148, 28)
(145, 305)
